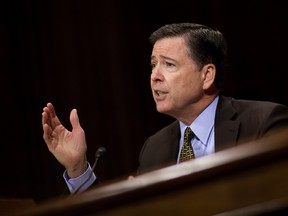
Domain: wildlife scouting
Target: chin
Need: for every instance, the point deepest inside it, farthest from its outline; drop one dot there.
(162, 109)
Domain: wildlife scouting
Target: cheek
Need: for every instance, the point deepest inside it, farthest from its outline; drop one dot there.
(179, 91)
(187, 89)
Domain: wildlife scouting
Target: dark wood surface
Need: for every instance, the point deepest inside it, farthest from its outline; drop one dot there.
(248, 178)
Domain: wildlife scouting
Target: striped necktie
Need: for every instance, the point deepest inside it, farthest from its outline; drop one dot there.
(187, 150)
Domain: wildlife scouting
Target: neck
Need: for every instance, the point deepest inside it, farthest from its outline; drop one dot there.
(189, 115)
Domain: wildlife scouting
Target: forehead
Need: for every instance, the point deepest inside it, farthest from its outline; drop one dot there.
(170, 46)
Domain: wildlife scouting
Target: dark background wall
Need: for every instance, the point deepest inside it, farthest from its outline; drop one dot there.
(95, 56)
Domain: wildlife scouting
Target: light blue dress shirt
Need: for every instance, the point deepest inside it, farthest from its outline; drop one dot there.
(203, 127)
(81, 183)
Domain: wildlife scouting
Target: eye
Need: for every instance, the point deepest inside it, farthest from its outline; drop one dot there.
(152, 65)
(168, 64)
(171, 67)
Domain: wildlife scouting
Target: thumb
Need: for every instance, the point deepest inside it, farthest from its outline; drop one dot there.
(74, 120)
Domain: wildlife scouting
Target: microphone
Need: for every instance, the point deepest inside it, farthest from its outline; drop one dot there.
(99, 154)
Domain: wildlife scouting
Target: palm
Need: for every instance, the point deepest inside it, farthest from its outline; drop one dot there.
(68, 147)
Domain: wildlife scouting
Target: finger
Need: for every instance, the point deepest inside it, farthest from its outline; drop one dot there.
(74, 119)
(52, 119)
(51, 110)
(44, 118)
(46, 125)
(46, 115)
(47, 133)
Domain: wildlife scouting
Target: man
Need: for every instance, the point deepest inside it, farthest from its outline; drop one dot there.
(188, 62)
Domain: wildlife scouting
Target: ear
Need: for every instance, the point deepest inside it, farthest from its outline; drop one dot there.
(208, 73)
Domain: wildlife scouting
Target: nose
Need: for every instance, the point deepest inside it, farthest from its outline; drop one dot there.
(156, 75)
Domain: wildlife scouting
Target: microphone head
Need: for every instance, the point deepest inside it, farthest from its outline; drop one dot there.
(100, 152)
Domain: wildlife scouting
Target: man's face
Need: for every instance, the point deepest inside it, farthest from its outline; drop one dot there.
(176, 82)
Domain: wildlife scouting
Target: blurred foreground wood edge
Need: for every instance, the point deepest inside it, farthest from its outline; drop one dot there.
(249, 179)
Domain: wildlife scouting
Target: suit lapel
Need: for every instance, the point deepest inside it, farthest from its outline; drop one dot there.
(226, 129)
(173, 138)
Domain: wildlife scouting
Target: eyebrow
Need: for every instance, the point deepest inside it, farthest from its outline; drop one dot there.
(164, 57)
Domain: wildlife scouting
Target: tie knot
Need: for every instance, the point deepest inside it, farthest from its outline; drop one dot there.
(188, 134)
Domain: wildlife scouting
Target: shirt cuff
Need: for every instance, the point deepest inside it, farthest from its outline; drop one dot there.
(81, 183)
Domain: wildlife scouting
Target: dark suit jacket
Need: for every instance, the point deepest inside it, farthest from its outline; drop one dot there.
(236, 122)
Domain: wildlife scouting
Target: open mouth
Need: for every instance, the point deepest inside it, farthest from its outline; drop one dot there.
(159, 93)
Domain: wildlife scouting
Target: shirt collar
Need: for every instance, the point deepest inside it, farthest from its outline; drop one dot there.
(203, 124)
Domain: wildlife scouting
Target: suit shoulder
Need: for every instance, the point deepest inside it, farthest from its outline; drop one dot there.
(261, 114)
(255, 105)
(167, 129)
(161, 148)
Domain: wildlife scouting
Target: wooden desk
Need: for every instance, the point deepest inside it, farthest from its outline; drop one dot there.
(249, 178)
